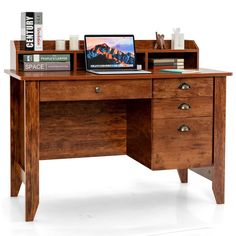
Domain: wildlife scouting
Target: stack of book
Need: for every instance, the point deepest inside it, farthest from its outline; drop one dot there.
(166, 63)
(46, 62)
(32, 30)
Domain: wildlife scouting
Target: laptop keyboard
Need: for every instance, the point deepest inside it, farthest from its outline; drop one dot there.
(113, 70)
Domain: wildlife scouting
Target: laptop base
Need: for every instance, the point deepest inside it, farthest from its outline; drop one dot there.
(120, 72)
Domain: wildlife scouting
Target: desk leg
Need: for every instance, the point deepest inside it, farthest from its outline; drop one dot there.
(183, 175)
(218, 177)
(17, 96)
(31, 149)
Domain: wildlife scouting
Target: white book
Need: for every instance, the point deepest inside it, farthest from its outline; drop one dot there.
(23, 25)
(38, 31)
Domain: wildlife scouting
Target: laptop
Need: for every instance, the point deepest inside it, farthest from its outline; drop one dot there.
(111, 54)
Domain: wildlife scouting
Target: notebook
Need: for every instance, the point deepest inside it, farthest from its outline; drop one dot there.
(181, 71)
(111, 54)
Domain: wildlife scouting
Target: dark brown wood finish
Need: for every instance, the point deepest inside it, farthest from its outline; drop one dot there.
(31, 149)
(49, 45)
(164, 88)
(143, 48)
(218, 177)
(95, 90)
(63, 115)
(173, 149)
(82, 129)
(183, 175)
(174, 107)
(139, 131)
(17, 145)
(83, 75)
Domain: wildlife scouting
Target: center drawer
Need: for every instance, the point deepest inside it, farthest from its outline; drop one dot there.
(95, 90)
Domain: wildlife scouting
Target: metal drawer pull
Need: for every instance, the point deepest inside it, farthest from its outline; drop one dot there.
(98, 90)
(184, 86)
(184, 106)
(184, 128)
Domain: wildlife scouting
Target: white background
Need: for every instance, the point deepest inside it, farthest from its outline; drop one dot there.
(115, 195)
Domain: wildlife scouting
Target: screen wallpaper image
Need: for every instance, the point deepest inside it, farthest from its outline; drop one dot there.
(110, 52)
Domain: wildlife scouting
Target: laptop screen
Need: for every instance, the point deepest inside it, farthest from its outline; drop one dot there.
(110, 51)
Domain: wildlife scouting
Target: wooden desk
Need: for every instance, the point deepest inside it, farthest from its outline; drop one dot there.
(62, 116)
(164, 121)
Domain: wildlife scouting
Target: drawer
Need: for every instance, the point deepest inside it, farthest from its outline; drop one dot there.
(172, 88)
(182, 143)
(182, 107)
(95, 90)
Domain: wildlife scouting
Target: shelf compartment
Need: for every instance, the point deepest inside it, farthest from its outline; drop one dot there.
(144, 49)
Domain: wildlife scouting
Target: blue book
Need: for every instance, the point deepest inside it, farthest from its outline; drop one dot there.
(180, 71)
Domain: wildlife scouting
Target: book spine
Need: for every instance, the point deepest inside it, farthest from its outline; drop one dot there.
(171, 71)
(28, 58)
(158, 68)
(166, 60)
(180, 60)
(162, 60)
(47, 58)
(55, 57)
(28, 25)
(180, 71)
(167, 63)
(46, 66)
(38, 31)
(23, 26)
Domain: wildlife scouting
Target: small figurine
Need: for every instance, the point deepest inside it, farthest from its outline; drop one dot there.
(160, 41)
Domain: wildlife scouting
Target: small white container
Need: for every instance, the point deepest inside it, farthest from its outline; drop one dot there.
(74, 42)
(60, 45)
(139, 67)
(177, 41)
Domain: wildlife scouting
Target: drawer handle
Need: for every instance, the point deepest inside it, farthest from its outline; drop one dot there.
(184, 86)
(184, 106)
(184, 128)
(98, 89)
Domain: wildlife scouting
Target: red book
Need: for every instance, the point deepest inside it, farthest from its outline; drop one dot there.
(158, 68)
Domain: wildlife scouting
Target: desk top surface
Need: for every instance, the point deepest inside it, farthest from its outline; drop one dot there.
(83, 75)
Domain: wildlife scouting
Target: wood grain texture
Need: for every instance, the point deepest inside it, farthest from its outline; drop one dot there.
(218, 178)
(79, 129)
(76, 122)
(82, 75)
(173, 149)
(169, 88)
(170, 107)
(139, 131)
(190, 58)
(86, 90)
(143, 49)
(31, 149)
(17, 145)
(49, 45)
(183, 175)
(80, 62)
